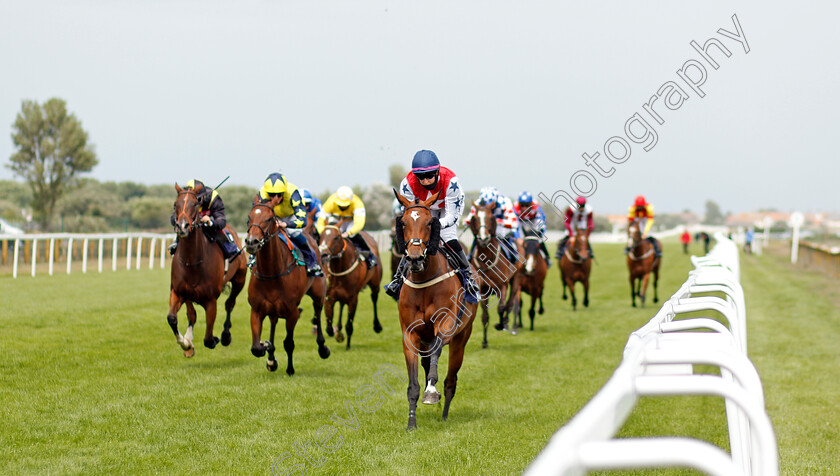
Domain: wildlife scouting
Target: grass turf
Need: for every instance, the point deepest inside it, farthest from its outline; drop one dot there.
(92, 381)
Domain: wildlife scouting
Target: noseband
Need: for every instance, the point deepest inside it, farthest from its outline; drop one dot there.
(266, 235)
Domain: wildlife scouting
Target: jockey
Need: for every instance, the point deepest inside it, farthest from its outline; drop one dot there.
(311, 204)
(578, 220)
(642, 211)
(349, 211)
(507, 229)
(211, 209)
(427, 178)
(292, 216)
(531, 218)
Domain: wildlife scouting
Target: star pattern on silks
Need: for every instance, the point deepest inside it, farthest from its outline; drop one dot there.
(405, 189)
(453, 186)
(459, 202)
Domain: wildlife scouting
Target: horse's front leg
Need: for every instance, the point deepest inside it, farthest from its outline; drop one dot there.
(351, 314)
(329, 307)
(189, 350)
(413, 392)
(175, 303)
(502, 308)
(271, 362)
(257, 347)
(586, 292)
(633, 289)
(210, 341)
(432, 395)
(485, 321)
(289, 341)
(318, 304)
(643, 288)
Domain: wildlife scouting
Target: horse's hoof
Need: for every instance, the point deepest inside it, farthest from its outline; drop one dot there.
(271, 365)
(484, 345)
(189, 352)
(330, 331)
(565, 298)
(258, 351)
(377, 327)
(513, 332)
(655, 300)
(290, 370)
(411, 427)
(339, 337)
(324, 352)
(430, 398)
(226, 339)
(499, 327)
(212, 343)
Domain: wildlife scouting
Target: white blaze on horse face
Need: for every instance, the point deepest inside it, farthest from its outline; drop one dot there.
(482, 232)
(529, 265)
(257, 211)
(415, 215)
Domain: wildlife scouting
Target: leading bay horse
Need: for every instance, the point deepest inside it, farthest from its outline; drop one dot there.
(347, 275)
(498, 274)
(533, 273)
(641, 261)
(575, 266)
(433, 311)
(198, 274)
(278, 283)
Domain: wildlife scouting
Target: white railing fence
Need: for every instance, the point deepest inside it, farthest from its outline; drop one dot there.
(659, 359)
(133, 247)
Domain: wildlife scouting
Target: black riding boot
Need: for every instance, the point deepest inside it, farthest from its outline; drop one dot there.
(561, 247)
(367, 254)
(656, 250)
(393, 288)
(470, 286)
(545, 253)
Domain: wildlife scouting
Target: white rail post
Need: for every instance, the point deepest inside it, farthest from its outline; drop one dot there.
(84, 255)
(69, 254)
(15, 260)
(162, 252)
(152, 253)
(34, 255)
(139, 250)
(52, 254)
(114, 254)
(128, 252)
(99, 252)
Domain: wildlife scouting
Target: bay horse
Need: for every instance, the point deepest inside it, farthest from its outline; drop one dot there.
(278, 284)
(641, 261)
(432, 308)
(575, 266)
(198, 274)
(498, 274)
(347, 275)
(533, 273)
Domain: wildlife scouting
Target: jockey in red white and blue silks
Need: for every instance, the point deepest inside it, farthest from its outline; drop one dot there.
(426, 179)
(579, 219)
(507, 223)
(532, 220)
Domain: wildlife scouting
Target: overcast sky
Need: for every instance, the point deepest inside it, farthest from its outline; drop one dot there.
(508, 93)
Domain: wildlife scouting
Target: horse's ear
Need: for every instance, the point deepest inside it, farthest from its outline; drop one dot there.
(403, 201)
(178, 188)
(431, 201)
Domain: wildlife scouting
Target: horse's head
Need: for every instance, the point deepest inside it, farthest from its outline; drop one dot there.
(262, 225)
(634, 234)
(420, 230)
(580, 243)
(187, 207)
(483, 223)
(332, 245)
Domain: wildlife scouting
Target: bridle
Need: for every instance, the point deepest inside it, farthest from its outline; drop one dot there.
(417, 241)
(182, 213)
(636, 243)
(266, 233)
(327, 254)
(569, 256)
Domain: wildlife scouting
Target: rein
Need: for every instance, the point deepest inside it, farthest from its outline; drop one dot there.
(418, 242)
(328, 258)
(266, 238)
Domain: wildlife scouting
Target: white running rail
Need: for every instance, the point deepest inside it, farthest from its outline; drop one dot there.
(658, 360)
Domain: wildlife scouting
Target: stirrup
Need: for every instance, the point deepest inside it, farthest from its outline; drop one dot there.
(393, 288)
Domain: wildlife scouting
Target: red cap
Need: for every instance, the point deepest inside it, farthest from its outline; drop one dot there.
(581, 201)
(640, 201)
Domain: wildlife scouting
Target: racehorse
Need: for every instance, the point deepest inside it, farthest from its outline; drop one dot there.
(347, 275)
(497, 272)
(278, 282)
(433, 311)
(575, 265)
(198, 274)
(641, 261)
(533, 273)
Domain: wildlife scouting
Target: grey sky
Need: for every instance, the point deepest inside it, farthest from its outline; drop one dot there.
(507, 93)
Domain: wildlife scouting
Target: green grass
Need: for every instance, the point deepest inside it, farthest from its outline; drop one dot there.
(92, 381)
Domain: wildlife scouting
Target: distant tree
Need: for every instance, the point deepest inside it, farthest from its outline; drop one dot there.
(396, 173)
(378, 198)
(713, 214)
(52, 149)
(150, 212)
